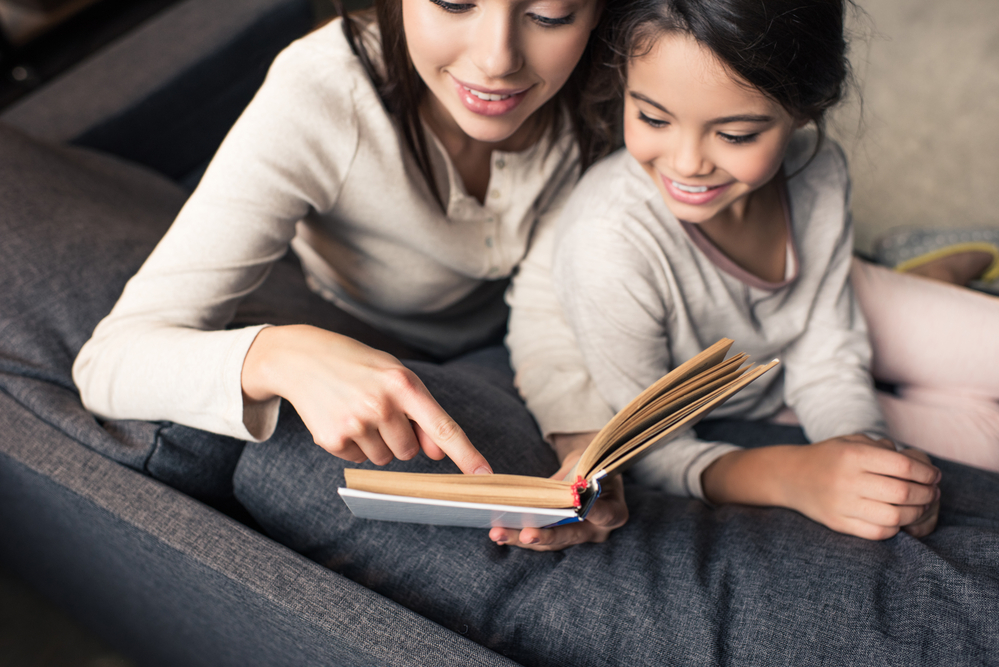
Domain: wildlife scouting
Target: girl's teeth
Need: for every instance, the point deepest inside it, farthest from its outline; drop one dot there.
(690, 188)
(488, 97)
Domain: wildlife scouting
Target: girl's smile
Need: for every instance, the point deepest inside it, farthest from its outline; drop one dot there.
(707, 139)
(695, 195)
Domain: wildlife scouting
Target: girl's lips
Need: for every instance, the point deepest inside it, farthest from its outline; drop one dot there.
(508, 99)
(693, 198)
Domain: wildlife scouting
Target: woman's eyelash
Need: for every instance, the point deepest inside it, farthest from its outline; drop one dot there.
(652, 122)
(548, 21)
(452, 7)
(739, 138)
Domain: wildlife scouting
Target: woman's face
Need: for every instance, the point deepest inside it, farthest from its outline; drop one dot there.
(490, 64)
(707, 139)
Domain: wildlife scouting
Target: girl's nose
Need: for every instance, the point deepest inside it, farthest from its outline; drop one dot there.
(689, 159)
(495, 47)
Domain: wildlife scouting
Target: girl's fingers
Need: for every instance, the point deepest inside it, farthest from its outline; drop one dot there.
(556, 539)
(864, 529)
(902, 465)
(885, 514)
(884, 489)
(925, 524)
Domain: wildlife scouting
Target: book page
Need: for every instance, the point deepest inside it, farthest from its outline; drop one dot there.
(658, 433)
(501, 489)
(609, 435)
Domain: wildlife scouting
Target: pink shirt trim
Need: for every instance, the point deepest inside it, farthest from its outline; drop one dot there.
(722, 261)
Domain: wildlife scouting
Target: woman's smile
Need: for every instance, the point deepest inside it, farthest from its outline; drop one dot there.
(489, 101)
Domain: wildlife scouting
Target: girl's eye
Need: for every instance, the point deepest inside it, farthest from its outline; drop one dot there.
(452, 7)
(652, 122)
(549, 22)
(739, 138)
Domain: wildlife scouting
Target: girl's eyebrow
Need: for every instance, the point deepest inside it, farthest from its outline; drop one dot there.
(739, 118)
(643, 98)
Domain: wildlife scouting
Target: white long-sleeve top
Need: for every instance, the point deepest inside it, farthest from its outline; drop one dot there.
(316, 162)
(644, 292)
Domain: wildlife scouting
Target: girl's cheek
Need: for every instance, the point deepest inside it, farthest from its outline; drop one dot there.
(637, 143)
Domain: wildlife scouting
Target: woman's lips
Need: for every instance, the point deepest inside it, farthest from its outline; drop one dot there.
(700, 196)
(489, 102)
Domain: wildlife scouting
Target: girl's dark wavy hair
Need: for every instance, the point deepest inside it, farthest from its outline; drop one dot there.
(401, 89)
(794, 51)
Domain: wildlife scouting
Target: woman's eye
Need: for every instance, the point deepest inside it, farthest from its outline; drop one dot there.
(652, 122)
(549, 22)
(453, 7)
(739, 138)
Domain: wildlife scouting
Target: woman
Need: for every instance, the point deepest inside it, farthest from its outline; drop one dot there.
(409, 160)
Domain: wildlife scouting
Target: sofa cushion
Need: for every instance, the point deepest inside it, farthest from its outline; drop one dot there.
(75, 225)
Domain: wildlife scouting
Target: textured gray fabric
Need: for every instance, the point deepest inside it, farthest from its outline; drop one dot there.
(171, 582)
(75, 225)
(680, 584)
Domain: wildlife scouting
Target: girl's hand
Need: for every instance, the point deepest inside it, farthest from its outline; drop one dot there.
(852, 484)
(359, 403)
(608, 512)
(924, 525)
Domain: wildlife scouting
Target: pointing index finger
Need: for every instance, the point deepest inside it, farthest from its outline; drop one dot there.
(445, 433)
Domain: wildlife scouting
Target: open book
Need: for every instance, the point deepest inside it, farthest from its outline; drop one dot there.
(675, 402)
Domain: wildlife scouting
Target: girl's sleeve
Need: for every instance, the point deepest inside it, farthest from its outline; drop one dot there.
(162, 353)
(827, 378)
(550, 372)
(615, 296)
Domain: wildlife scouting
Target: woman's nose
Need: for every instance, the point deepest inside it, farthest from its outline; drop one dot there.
(495, 46)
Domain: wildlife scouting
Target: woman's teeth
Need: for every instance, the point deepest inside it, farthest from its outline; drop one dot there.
(488, 97)
(693, 189)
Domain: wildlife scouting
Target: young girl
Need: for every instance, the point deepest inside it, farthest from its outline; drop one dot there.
(726, 216)
(408, 159)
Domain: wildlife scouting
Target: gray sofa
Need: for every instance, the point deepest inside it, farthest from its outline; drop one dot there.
(168, 568)
(166, 579)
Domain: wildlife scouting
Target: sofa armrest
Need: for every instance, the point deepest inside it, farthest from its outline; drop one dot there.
(170, 581)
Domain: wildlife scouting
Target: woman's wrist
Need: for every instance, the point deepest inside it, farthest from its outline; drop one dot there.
(257, 377)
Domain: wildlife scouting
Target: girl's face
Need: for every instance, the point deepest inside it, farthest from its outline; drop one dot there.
(708, 140)
(490, 64)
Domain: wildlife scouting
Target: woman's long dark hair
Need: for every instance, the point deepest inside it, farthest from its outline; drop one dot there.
(794, 51)
(401, 89)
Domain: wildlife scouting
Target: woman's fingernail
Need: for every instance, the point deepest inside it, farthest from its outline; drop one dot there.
(482, 470)
(532, 540)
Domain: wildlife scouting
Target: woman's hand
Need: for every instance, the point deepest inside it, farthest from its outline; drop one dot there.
(852, 484)
(608, 512)
(359, 403)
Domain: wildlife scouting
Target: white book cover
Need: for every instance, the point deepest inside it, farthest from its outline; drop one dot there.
(407, 509)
